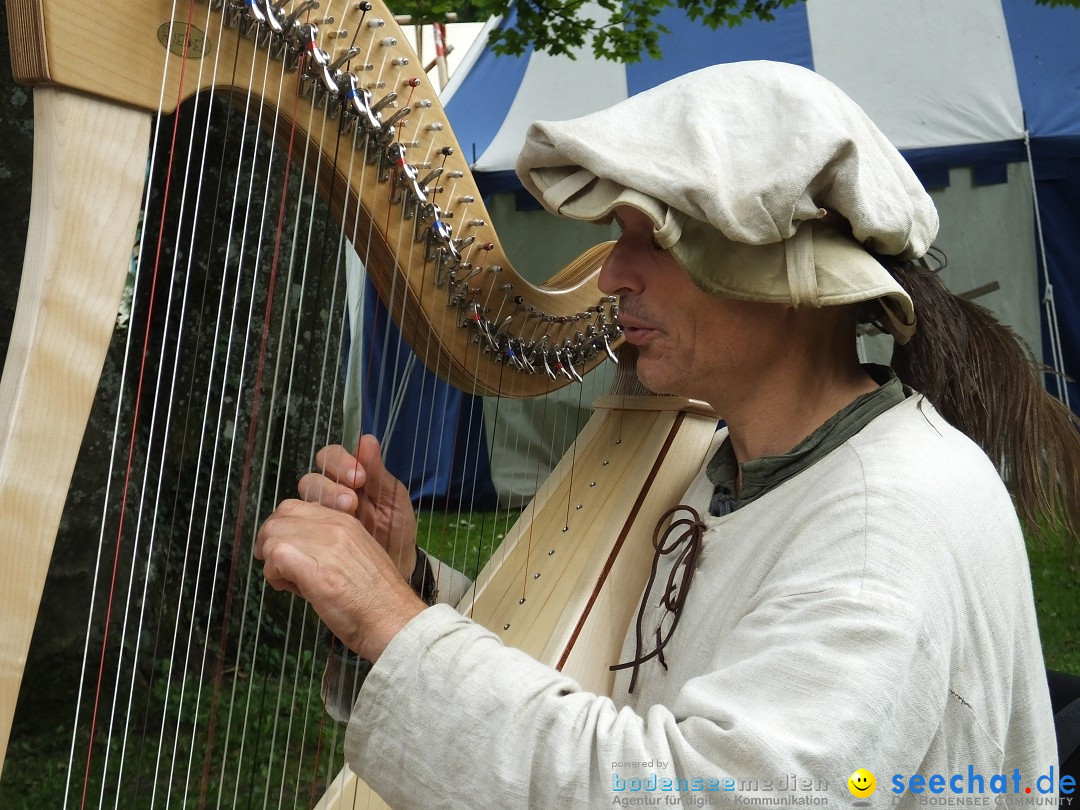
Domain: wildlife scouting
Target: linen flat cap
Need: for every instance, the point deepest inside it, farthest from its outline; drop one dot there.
(739, 156)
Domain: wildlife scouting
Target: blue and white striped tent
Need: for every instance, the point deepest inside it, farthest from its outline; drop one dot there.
(982, 97)
(953, 83)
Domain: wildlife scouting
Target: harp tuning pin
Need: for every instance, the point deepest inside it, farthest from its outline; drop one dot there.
(376, 23)
(431, 176)
(455, 175)
(447, 151)
(393, 119)
(388, 42)
(478, 223)
(414, 82)
(607, 350)
(340, 33)
(397, 117)
(324, 21)
(424, 103)
(435, 126)
(389, 98)
(486, 245)
(400, 61)
(291, 21)
(342, 58)
(496, 268)
(467, 198)
(365, 6)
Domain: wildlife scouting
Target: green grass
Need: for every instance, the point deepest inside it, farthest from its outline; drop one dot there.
(1055, 578)
(239, 768)
(464, 541)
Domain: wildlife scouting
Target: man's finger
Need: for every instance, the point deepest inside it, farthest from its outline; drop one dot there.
(338, 464)
(318, 488)
(369, 457)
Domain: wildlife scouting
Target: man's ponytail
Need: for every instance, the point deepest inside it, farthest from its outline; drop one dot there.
(984, 380)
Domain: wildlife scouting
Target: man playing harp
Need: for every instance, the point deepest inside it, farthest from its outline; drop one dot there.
(844, 585)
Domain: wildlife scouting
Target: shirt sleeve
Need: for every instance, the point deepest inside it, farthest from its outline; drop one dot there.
(452, 718)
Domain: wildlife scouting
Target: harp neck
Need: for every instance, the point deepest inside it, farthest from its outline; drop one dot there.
(359, 113)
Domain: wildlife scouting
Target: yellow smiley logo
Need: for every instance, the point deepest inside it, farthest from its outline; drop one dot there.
(862, 783)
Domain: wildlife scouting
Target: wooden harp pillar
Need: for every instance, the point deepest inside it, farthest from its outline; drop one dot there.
(437, 265)
(77, 259)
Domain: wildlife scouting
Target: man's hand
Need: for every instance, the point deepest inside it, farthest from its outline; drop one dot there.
(325, 556)
(361, 486)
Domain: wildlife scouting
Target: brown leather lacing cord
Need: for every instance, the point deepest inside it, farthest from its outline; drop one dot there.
(684, 536)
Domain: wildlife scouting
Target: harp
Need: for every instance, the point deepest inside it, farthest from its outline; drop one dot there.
(339, 84)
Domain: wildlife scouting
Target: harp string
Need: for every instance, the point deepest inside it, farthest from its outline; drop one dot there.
(361, 343)
(206, 418)
(383, 384)
(339, 263)
(234, 561)
(277, 698)
(117, 552)
(220, 429)
(228, 465)
(154, 523)
(161, 466)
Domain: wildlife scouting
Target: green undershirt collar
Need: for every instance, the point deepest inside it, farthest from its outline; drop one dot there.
(766, 473)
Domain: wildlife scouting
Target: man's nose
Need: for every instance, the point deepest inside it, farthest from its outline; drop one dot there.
(616, 274)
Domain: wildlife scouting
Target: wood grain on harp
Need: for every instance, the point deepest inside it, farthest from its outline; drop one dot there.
(406, 199)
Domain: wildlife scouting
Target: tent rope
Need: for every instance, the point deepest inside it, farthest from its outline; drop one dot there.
(1048, 287)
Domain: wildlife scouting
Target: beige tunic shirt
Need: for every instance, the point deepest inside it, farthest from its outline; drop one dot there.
(873, 611)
